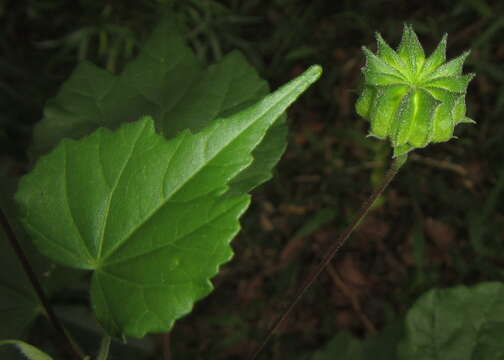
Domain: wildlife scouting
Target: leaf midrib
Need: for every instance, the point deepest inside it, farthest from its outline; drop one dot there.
(114, 187)
(171, 244)
(196, 172)
(69, 208)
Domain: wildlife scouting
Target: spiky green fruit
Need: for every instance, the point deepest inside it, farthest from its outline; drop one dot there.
(411, 99)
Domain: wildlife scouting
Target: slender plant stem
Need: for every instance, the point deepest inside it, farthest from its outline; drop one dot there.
(394, 169)
(70, 345)
(103, 354)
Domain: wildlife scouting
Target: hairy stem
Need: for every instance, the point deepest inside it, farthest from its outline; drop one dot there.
(394, 169)
(70, 345)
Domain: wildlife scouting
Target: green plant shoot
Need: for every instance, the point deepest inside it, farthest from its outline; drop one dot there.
(411, 99)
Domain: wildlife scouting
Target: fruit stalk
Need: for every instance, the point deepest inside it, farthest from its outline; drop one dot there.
(398, 162)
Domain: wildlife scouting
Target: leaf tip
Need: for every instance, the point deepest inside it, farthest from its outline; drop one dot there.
(314, 72)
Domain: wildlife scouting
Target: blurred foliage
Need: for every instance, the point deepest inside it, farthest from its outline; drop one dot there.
(439, 224)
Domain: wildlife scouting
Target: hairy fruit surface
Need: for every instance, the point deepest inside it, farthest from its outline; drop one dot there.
(411, 99)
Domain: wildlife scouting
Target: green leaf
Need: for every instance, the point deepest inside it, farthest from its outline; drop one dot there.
(266, 156)
(30, 351)
(461, 323)
(167, 82)
(151, 218)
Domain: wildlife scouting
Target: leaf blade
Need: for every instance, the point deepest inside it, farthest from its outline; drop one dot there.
(436, 329)
(156, 214)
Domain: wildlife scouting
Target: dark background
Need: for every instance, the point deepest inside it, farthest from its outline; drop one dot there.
(439, 224)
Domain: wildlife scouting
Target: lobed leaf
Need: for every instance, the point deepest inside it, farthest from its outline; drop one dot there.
(151, 218)
(459, 323)
(167, 82)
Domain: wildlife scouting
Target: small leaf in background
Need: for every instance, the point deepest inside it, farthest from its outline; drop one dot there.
(459, 323)
(29, 351)
(167, 82)
(151, 218)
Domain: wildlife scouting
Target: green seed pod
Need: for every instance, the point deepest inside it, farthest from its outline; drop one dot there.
(411, 99)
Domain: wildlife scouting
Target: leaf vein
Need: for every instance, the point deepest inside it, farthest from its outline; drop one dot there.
(196, 172)
(113, 190)
(67, 202)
